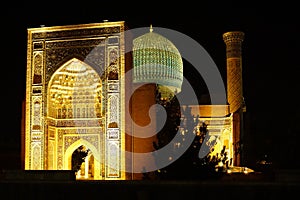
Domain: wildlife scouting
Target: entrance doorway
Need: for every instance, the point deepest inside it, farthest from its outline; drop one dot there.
(83, 163)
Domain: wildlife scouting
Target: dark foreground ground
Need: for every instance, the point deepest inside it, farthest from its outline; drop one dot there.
(282, 184)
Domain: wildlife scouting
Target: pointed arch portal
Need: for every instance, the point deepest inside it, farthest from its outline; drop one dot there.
(75, 98)
(74, 116)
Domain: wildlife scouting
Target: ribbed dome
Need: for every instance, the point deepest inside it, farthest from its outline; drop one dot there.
(156, 59)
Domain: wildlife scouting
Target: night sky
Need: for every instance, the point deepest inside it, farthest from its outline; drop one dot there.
(270, 60)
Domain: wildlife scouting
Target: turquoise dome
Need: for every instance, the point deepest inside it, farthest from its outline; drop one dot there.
(157, 60)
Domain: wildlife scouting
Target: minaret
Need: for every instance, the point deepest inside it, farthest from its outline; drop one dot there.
(233, 41)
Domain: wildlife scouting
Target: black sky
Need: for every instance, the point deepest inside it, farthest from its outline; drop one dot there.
(270, 57)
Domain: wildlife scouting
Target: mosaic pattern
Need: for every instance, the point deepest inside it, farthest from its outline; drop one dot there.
(157, 60)
(233, 41)
(38, 67)
(71, 70)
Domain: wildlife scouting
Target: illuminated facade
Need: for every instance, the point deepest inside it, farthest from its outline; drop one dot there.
(76, 96)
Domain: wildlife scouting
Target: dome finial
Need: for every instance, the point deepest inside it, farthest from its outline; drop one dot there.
(151, 28)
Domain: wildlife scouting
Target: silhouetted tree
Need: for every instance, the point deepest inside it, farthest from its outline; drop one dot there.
(170, 128)
(78, 158)
(189, 165)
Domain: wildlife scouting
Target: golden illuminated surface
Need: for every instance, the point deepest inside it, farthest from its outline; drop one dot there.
(75, 98)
